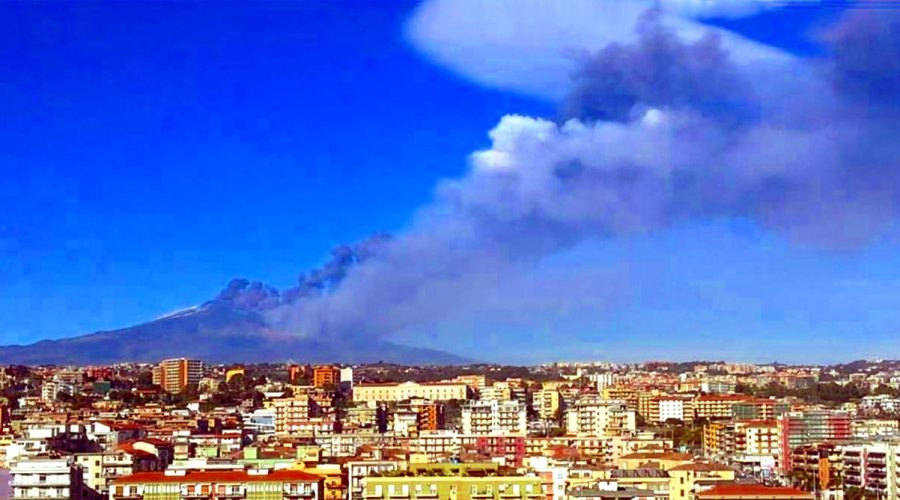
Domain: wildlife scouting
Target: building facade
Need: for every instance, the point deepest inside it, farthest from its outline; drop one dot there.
(173, 375)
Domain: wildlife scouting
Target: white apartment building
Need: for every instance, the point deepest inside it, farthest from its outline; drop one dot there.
(671, 408)
(51, 389)
(50, 478)
(596, 417)
(496, 392)
(494, 417)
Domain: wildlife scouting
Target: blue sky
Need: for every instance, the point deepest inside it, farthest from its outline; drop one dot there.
(152, 151)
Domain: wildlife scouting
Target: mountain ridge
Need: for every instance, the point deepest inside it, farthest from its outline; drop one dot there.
(232, 327)
(215, 332)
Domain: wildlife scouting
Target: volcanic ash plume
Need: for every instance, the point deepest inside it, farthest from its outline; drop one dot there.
(657, 130)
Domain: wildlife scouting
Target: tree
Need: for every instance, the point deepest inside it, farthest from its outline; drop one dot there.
(145, 379)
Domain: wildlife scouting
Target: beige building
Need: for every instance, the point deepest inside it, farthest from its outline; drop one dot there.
(592, 416)
(494, 417)
(546, 403)
(291, 414)
(497, 392)
(435, 391)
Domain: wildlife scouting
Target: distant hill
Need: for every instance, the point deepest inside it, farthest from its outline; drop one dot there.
(215, 332)
(232, 328)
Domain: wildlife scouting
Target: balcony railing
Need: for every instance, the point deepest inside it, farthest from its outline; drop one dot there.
(310, 494)
(58, 483)
(232, 494)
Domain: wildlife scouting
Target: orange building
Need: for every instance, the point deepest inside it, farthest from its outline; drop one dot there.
(326, 375)
(430, 415)
(173, 375)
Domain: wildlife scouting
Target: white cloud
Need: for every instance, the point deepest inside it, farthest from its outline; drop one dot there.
(718, 8)
(531, 46)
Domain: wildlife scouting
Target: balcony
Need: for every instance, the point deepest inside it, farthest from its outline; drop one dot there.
(50, 481)
(233, 494)
(128, 496)
(310, 494)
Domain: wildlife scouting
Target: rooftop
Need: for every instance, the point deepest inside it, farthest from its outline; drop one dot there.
(754, 491)
(218, 477)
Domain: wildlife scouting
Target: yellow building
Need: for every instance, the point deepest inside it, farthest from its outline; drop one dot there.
(435, 391)
(546, 403)
(665, 460)
(688, 479)
(453, 484)
(334, 487)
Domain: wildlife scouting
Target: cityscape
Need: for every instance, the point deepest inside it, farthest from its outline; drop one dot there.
(450, 250)
(184, 429)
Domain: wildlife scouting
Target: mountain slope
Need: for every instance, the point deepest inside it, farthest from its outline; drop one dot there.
(232, 328)
(218, 331)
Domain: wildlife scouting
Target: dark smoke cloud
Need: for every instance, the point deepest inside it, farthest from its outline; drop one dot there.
(659, 70)
(662, 130)
(259, 297)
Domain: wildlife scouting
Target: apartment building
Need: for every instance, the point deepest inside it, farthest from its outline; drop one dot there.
(358, 471)
(291, 413)
(759, 409)
(326, 376)
(622, 393)
(872, 467)
(429, 415)
(664, 408)
(495, 392)
(455, 486)
(494, 418)
(546, 402)
(474, 382)
(592, 416)
(717, 406)
(820, 462)
(435, 391)
(808, 427)
(248, 485)
(744, 438)
(686, 481)
(173, 375)
(53, 478)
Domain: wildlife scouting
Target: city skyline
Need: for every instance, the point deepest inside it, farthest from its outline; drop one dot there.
(155, 152)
